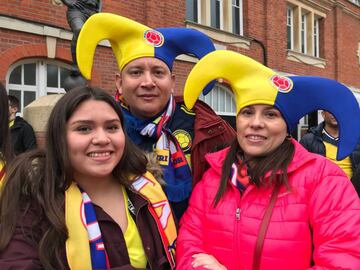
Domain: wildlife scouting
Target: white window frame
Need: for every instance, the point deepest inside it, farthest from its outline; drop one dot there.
(303, 31)
(316, 42)
(40, 88)
(290, 24)
(217, 98)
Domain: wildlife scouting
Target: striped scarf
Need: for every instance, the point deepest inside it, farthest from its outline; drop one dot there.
(99, 258)
(2, 170)
(241, 180)
(84, 247)
(170, 156)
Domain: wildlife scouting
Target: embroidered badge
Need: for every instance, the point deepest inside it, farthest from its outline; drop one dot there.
(154, 38)
(184, 139)
(283, 84)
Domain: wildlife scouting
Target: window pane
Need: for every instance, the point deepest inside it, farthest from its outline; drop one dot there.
(316, 38)
(52, 75)
(17, 94)
(236, 20)
(15, 76)
(192, 10)
(64, 73)
(30, 74)
(303, 33)
(28, 97)
(215, 14)
(289, 37)
(289, 28)
(221, 100)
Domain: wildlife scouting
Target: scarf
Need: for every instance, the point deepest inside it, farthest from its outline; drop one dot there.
(2, 170)
(85, 235)
(240, 180)
(170, 156)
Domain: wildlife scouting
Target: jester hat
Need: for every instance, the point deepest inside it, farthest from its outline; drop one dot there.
(131, 40)
(294, 96)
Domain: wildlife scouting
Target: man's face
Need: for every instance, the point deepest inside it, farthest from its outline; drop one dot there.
(146, 85)
(329, 119)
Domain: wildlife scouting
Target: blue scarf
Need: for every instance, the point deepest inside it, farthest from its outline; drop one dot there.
(154, 132)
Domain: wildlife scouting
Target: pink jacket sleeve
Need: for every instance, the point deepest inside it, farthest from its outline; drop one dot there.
(189, 240)
(335, 221)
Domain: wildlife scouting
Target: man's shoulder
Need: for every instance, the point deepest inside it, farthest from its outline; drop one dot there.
(199, 107)
(21, 123)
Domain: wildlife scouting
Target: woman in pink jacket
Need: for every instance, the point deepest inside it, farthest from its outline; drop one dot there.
(266, 202)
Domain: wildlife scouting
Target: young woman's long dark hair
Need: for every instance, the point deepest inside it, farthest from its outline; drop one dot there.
(276, 161)
(5, 146)
(39, 178)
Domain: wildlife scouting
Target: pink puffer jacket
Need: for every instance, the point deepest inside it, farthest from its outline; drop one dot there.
(316, 225)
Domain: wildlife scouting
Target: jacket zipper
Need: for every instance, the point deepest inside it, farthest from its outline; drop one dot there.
(237, 224)
(238, 213)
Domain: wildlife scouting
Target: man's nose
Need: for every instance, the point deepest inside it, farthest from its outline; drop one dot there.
(148, 80)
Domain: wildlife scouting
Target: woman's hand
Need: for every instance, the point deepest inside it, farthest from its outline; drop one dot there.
(207, 261)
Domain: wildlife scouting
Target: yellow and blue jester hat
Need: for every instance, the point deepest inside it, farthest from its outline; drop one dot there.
(294, 96)
(131, 40)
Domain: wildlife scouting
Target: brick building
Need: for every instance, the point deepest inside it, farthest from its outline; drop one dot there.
(300, 37)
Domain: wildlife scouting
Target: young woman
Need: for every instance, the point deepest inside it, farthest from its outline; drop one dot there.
(266, 202)
(87, 200)
(5, 148)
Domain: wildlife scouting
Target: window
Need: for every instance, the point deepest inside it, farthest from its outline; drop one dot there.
(31, 79)
(304, 29)
(290, 30)
(303, 33)
(192, 10)
(237, 27)
(221, 100)
(316, 38)
(225, 15)
(216, 13)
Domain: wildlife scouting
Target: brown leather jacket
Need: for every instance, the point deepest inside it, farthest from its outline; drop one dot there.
(210, 132)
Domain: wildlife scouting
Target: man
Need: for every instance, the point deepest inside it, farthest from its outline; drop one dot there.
(323, 140)
(155, 119)
(22, 135)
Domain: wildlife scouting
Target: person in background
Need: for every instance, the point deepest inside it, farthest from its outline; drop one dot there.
(323, 140)
(266, 202)
(22, 134)
(5, 146)
(85, 201)
(155, 119)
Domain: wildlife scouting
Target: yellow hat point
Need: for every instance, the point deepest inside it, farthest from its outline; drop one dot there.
(122, 33)
(249, 80)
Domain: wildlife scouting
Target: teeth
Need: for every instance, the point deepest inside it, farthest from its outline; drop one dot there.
(103, 154)
(255, 137)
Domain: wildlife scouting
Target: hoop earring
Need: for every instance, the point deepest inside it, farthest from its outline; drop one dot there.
(288, 137)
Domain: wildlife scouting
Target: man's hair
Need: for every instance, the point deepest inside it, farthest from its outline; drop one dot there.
(14, 101)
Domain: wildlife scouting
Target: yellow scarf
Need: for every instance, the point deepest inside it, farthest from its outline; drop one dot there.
(77, 245)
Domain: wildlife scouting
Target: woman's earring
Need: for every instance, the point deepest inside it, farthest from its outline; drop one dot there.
(288, 137)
